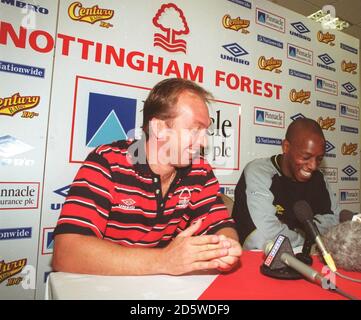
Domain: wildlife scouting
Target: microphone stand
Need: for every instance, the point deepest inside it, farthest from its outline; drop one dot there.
(305, 255)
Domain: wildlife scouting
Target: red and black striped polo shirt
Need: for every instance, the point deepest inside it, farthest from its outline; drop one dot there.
(120, 201)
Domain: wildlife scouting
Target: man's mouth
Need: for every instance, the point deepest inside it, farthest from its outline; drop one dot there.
(305, 174)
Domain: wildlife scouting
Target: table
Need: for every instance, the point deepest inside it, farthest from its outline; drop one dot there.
(243, 284)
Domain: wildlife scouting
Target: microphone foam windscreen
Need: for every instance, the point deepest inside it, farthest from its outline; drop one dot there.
(344, 244)
(303, 211)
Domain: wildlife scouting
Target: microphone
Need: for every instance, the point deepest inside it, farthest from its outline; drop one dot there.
(279, 256)
(344, 243)
(278, 252)
(304, 215)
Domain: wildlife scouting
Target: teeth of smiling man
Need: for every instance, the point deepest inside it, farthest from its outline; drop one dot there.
(305, 173)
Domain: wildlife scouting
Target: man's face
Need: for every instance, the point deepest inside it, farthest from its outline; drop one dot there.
(303, 156)
(188, 130)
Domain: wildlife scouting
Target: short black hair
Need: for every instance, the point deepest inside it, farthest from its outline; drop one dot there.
(303, 125)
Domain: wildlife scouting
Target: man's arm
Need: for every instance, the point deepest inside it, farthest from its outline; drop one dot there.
(186, 253)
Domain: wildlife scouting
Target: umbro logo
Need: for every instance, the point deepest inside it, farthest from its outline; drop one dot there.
(329, 146)
(349, 87)
(127, 204)
(349, 170)
(326, 59)
(297, 116)
(235, 49)
(300, 27)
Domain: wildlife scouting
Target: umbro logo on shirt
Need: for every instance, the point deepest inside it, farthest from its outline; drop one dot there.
(127, 204)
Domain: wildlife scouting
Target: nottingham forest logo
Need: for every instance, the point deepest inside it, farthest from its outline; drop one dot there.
(16, 103)
(171, 20)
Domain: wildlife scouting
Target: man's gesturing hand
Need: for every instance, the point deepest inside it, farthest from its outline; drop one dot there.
(187, 253)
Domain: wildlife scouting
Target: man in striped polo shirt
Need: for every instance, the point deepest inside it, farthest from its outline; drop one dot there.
(150, 206)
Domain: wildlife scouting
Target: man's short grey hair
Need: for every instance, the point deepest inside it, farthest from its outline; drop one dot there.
(344, 243)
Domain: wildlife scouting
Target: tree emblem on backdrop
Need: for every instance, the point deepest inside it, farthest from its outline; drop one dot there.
(171, 20)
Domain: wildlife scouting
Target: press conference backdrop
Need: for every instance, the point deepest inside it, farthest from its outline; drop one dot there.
(75, 75)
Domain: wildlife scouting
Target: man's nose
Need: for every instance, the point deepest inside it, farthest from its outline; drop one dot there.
(312, 164)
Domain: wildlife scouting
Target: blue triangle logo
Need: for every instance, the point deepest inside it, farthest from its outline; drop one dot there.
(261, 16)
(260, 116)
(110, 130)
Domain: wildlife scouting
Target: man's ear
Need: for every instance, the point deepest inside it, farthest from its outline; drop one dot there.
(285, 146)
(157, 128)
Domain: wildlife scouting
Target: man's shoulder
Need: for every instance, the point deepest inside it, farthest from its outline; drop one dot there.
(260, 171)
(260, 165)
(115, 151)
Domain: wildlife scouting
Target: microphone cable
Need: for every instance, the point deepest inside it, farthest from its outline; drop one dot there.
(343, 293)
(347, 277)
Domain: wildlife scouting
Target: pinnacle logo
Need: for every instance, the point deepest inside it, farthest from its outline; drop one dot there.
(297, 116)
(327, 124)
(77, 12)
(349, 149)
(349, 196)
(269, 118)
(270, 20)
(10, 269)
(48, 241)
(327, 38)
(326, 86)
(110, 118)
(350, 112)
(171, 20)
(299, 54)
(301, 31)
(270, 64)
(235, 24)
(349, 67)
(9, 106)
(300, 96)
